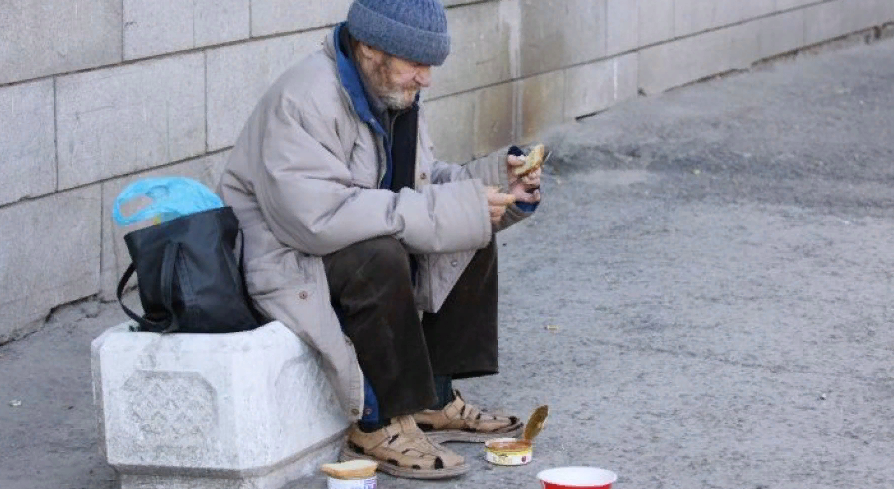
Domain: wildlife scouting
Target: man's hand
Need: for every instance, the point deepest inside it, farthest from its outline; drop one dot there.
(497, 204)
(526, 188)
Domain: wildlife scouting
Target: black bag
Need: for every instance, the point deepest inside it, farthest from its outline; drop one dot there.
(188, 278)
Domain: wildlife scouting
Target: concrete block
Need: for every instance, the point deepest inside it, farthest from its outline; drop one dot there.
(685, 60)
(238, 75)
(49, 255)
(454, 3)
(742, 11)
(129, 118)
(597, 86)
(656, 21)
(27, 141)
(115, 257)
(781, 33)
(830, 20)
(276, 16)
(884, 11)
(622, 26)
(473, 124)
(451, 125)
(239, 410)
(874, 13)
(57, 36)
(494, 125)
(542, 104)
(791, 4)
(152, 27)
(559, 33)
(693, 16)
(744, 45)
(480, 52)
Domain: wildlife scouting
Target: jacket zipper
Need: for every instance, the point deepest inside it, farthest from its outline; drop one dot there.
(382, 169)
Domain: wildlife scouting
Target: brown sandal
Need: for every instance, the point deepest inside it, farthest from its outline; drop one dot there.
(462, 422)
(403, 450)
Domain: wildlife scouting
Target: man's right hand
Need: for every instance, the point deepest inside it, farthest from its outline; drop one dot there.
(497, 203)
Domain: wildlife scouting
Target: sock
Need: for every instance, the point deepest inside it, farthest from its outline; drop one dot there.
(444, 389)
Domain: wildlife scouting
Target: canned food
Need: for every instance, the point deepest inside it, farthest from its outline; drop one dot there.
(509, 451)
(355, 474)
(368, 483)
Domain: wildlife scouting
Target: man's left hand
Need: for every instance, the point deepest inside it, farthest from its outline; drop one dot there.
(526, 188)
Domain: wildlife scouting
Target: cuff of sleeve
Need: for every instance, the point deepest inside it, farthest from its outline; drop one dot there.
(514, 214)
(527, 207)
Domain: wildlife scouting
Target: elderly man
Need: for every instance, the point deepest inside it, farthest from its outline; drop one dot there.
(373, 252)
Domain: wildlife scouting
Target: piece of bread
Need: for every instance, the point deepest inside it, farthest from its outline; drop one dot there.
(533, 161)
(351, 470)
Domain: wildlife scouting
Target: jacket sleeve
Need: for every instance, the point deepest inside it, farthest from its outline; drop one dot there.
(491, 170)
(305, 193)
(488, 169)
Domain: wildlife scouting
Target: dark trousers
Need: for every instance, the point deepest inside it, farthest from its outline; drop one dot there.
(371, 287)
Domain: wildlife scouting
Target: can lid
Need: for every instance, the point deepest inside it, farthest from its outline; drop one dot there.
(536, 423)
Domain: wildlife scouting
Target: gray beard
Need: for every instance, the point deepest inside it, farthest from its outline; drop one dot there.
(392, 100)
(396, 101)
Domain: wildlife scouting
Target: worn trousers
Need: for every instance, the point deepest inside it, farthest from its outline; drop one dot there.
(371, 288)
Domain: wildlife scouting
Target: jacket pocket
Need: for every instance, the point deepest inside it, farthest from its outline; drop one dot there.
(277, 272)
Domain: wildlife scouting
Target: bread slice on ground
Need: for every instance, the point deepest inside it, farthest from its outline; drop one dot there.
(351, 470)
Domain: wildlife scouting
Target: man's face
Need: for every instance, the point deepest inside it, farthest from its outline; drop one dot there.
(396, 81)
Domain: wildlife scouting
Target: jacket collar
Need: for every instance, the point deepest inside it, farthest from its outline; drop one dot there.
(351, 79)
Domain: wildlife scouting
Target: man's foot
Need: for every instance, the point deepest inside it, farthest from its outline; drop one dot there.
(462, 422)
(403, 450)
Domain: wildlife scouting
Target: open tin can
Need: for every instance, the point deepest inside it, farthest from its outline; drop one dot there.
(354, 474)
(517, 451)
(367, 483)
(509, 451)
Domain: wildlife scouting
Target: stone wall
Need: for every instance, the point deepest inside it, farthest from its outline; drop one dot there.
(94, 95)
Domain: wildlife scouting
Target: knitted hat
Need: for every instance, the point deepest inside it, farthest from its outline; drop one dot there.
(415, 30)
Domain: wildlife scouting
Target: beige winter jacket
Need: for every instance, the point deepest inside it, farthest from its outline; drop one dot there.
(302, 179)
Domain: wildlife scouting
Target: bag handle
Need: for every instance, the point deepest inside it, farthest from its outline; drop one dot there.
(169, 325)
(146, 324)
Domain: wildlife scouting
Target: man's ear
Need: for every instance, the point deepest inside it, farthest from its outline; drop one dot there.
(368, 52)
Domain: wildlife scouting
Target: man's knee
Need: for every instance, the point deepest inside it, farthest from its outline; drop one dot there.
(384, 256)
(381, 259)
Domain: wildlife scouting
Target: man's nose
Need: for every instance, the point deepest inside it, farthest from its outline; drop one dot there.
(423, 76)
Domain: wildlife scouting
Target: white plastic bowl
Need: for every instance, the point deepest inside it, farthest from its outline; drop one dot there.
(583, 477)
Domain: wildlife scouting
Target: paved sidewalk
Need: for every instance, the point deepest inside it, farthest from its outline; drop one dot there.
(719, 261)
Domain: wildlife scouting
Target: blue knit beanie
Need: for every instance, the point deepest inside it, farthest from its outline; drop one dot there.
(415, 30)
